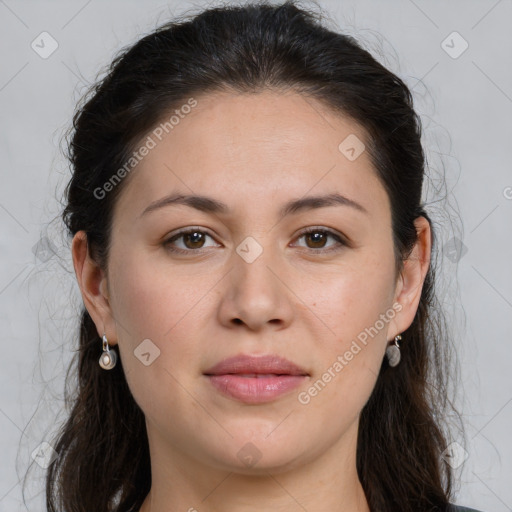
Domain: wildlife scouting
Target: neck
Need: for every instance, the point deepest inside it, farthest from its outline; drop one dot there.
(328, 481)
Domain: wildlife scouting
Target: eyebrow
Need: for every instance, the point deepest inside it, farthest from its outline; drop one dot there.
(210, 205)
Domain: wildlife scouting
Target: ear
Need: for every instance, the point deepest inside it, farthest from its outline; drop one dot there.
(94, 287)
(410, 281)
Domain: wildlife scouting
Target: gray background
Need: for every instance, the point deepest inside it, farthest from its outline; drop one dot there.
(465, 102)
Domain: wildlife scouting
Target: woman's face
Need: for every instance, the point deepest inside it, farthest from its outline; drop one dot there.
(250, 282)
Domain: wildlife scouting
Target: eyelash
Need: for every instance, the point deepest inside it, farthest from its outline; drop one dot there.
(341, 242)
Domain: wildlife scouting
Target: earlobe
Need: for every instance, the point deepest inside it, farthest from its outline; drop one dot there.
(93, 285)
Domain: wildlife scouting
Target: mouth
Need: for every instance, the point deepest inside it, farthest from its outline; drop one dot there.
(255, 379)
(258, 375)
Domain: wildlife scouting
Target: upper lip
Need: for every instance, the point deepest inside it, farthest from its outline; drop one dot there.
(267, 364)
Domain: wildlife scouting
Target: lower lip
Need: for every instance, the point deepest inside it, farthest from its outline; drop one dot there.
(254, 390)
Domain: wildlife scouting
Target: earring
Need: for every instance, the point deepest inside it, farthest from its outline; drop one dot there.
(393, 352)
(109, 358)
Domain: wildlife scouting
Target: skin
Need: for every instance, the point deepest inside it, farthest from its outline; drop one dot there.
(254, 153)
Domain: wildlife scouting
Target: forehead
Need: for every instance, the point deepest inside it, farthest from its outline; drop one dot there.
(250, 149)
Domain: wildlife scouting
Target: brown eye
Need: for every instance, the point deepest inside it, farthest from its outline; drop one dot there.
(316, 240)
(192, 239)
(195, 238)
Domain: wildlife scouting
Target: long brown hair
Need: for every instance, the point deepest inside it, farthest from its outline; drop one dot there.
(104, 460)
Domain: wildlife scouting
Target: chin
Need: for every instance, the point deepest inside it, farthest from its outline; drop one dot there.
(259, 456)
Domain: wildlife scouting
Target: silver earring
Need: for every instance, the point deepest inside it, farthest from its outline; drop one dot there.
(393, 352)
(109, 358)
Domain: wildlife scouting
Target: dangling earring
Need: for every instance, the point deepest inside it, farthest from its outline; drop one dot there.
(393, 352)
(109, 358)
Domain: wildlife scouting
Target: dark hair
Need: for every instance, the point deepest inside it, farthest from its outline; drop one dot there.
(104, 460)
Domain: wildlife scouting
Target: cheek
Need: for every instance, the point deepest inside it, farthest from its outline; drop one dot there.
(352, 315)
(350, 349)
(157, 316)
(350, 299)
(161, 318)
(153, 300)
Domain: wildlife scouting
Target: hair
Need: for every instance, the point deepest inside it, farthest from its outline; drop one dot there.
(104, 459)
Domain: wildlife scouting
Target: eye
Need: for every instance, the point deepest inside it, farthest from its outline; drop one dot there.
(318, 238)
(193, 238)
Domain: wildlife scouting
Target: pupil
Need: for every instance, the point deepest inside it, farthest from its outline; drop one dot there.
(193, 236)
(317, 237)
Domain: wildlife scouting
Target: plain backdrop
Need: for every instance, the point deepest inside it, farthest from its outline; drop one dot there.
(456, 56)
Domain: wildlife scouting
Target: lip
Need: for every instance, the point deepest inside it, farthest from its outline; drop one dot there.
(248, 364)
(255, 379)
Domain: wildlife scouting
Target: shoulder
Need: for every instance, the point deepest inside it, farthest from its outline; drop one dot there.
(458, 508)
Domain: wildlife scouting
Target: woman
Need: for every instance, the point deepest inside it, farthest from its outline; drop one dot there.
(260, 329)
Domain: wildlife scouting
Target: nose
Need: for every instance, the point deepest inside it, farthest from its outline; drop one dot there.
(256, 293)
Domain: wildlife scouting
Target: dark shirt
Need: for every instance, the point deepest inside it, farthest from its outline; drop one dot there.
(458, 508)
